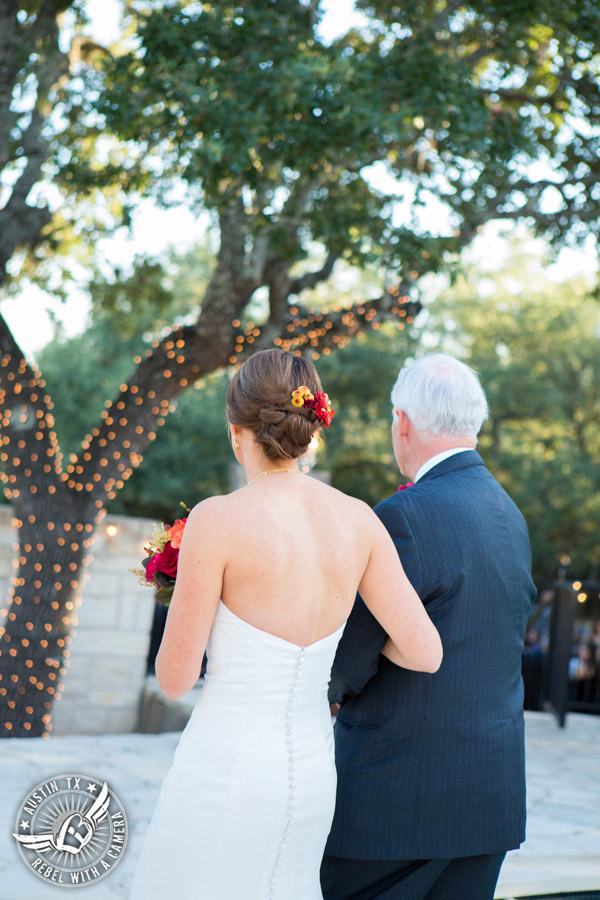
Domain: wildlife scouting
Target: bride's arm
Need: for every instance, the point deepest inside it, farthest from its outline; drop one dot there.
(195, 599)
(413, 641)
(390, 651)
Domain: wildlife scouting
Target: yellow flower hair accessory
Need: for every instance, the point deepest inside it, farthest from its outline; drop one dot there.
(300, 395)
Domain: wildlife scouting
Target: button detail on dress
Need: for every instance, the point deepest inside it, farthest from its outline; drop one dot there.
(289, 739)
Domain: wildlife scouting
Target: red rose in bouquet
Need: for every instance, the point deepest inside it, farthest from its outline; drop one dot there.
(163, 563)
(160, 566)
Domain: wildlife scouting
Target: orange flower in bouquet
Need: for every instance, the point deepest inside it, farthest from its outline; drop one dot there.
(160, 565)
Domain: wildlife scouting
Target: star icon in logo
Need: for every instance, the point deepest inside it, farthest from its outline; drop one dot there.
(24, 824)
(92, 787)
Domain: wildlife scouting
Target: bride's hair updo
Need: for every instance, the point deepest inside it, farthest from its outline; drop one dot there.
(259, 398)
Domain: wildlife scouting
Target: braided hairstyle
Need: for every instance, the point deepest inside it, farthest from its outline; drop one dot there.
(259, 398)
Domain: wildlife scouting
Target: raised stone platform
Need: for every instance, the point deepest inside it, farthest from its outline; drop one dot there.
(562, 852)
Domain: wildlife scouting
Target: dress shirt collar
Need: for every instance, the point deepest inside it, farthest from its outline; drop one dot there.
(438, 458)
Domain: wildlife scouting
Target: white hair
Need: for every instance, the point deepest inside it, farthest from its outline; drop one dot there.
(441, 395)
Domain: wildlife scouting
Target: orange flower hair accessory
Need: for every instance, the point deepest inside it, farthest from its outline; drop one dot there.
(318, 402)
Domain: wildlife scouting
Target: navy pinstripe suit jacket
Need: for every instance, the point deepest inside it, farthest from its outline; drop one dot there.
(433, 766)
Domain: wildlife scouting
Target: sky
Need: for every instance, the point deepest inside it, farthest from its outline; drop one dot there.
(31, 316)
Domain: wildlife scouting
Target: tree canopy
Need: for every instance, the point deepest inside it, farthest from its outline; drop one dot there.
(534, 343)
(493, 108)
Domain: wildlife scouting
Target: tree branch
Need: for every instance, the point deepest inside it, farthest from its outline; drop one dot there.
(21, 224)
(278, 281)
(114, 448)
(49, 10)
(128, 424)
(321, 332)
(28, 439)
(9, 36)
(311, 279)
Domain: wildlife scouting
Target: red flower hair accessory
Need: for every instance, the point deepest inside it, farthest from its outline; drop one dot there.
(318, 402)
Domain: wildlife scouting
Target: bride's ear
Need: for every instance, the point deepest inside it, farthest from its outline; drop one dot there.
(234, 431)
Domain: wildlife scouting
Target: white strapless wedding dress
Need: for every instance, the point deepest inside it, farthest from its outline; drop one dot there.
(246, 807)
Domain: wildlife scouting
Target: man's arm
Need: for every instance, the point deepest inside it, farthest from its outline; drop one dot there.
(357, 658)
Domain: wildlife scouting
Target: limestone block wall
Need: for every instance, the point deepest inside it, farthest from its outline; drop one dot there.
(104, 682)
(8, 536)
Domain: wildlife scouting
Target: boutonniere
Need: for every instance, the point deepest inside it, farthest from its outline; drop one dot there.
(404, 486)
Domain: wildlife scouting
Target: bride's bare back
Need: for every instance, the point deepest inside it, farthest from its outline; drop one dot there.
(297, 555)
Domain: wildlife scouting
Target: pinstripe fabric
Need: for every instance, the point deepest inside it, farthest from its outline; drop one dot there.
(470, 878)
(432, 766)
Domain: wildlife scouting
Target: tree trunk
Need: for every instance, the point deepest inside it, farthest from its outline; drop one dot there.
(54, 542)
(57, 511)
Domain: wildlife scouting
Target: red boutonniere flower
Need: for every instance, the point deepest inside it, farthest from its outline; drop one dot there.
(404, 486)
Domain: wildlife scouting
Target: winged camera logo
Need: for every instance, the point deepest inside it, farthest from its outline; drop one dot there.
(71, 830)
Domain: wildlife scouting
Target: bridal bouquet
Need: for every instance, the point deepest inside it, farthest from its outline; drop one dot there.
(160, 565)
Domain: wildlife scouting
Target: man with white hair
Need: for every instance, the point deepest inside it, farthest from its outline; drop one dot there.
(431, 769)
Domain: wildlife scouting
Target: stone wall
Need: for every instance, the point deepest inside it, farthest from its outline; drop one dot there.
(104, 682)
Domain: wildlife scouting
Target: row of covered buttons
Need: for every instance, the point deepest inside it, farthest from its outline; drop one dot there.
(289, 731)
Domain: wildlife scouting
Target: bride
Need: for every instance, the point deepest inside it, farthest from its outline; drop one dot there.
(267, 578)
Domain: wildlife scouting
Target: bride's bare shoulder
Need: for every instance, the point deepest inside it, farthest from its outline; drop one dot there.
(209, 504)
(345, 502)
(210, 512)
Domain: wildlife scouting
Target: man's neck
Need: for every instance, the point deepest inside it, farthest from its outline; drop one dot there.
(427, 451)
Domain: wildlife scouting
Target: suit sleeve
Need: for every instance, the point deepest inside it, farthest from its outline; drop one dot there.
(357, 658)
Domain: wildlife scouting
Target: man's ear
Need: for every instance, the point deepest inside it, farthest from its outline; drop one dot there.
(403, 422)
